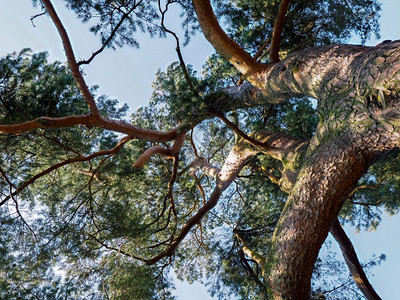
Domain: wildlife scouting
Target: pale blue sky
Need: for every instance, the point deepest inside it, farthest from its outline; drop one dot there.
(127, 74)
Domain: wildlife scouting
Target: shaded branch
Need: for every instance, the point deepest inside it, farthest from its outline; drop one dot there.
(11, 186)
(352, 262)
(241, 133)
(259, 259)
(277, 33)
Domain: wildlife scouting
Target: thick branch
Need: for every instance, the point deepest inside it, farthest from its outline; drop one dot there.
(71, 59)
(277, 33)
(320, 73)
(225, 46)
(90, 121)
(352, 262)
(166, 152)
(202, 164)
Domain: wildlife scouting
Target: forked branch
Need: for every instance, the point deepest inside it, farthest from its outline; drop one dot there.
(111, 36)
(235, 161)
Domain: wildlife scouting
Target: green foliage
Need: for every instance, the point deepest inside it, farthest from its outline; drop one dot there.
(379, 194)
(331, 278)
(307, 23)
(88, 226)
(31, 87)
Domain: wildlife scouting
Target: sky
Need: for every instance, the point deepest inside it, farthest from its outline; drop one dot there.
(126, 74)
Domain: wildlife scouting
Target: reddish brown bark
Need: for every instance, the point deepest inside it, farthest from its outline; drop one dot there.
(277, 33)
(73, 65)
(225, 46)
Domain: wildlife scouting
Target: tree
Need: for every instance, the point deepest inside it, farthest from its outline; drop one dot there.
(113, 203)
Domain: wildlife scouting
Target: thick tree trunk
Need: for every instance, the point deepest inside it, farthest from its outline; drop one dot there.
(322, 186)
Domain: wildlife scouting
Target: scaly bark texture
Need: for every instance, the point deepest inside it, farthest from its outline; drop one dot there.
(358, 95)
(352, 133)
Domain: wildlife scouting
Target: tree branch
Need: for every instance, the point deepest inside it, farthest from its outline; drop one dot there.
(241, 133)
(71, 59)
(352, 262)
(89, 121)
(259, 259)
(168, 153)
(109, 39)
(224, 45)
(235, 161)
(277, 33)
(64, 163)
(178, 48)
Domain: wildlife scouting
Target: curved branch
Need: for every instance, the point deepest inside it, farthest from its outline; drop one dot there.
(224, 45)
(168, 153)
(277, 33)
(178, 48)
(235, 161)
(64, 163)
(69, 52)
(90, 121)
(241, 133)
(352, 262)
(109, 39)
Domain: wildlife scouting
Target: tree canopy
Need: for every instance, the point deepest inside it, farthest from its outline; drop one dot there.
(232, 175)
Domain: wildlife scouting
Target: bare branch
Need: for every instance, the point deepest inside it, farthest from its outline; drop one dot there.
(109, 39)
(241, 133)
(178, 48)
(36, 16)
(11, 186)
